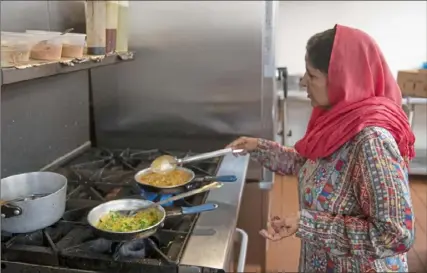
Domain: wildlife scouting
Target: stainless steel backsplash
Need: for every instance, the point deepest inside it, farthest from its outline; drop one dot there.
(198, 79)
(44, 15)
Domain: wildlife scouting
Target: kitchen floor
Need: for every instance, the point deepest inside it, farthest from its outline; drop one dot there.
(283, 255)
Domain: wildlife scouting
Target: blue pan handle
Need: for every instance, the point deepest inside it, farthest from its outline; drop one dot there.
(226, 178)
(198, 209)
(221, 178)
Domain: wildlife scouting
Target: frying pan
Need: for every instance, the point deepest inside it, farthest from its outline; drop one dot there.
(133, 204)
(182, 187)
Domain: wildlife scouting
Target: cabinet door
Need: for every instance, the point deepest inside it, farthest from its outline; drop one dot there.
(283, 256)
(252, 219)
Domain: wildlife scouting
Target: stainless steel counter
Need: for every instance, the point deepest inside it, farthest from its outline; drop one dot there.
(213, 251)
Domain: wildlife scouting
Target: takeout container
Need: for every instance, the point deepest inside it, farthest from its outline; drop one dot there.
(50, 47)
(16, 47)
(413, 83)
(73, 44)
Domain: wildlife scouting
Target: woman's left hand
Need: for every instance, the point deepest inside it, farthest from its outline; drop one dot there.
(279, 228)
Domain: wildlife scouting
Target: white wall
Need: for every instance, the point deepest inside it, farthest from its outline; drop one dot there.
(399, 27)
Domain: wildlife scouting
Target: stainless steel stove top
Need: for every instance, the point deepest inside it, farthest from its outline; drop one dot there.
(99, 175)
(96, 176)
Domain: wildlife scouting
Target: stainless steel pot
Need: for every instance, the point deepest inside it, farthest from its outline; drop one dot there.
(37, 201)
(133, 204)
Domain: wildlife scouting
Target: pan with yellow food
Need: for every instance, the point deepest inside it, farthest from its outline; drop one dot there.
(175, 181)
(108, 223)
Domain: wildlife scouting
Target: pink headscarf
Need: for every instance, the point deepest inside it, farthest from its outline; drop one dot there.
(362, 92)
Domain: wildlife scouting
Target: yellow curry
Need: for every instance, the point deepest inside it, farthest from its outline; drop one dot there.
(116, 222)
(173, 178)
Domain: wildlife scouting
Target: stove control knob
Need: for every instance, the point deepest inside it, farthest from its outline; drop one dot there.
(3, 215)
(16, 212)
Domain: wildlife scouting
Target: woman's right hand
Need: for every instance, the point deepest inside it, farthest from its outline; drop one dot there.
(247, 144)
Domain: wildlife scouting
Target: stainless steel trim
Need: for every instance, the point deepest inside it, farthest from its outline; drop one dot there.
(267, 179)
(74, 153)
(244, 239)
(268, 97)
(214, 251)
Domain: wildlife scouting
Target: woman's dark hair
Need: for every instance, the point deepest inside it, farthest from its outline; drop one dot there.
(319, 49)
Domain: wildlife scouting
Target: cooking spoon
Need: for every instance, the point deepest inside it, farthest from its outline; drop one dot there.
(166, 163)
(26, 198)
(213, 185)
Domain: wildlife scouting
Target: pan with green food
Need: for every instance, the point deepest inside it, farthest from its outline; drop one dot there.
(109, 223)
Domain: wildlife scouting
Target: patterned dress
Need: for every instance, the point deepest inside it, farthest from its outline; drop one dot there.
(356, 210)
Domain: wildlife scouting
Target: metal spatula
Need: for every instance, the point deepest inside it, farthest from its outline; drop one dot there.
(25, 198)
(166, 163)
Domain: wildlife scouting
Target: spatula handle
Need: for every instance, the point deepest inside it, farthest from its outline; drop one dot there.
(209, 155)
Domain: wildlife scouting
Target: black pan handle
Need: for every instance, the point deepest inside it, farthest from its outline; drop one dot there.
(9, 210)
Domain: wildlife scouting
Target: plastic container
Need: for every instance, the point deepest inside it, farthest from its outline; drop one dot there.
(123, 27)
(16, 48)
(111, 26)
(96, 15)
(43, 32)
(72, 43)
(50, 47)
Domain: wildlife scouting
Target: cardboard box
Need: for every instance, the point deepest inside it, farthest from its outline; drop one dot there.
(413, 83)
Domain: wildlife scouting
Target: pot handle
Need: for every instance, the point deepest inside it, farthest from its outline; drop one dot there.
(198, 209)
(9, 210)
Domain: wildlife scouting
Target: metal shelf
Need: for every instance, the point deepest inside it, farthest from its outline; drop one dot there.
(419, 164)
(14, 75)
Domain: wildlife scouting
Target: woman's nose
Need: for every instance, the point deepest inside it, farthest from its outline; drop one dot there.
(303, 81)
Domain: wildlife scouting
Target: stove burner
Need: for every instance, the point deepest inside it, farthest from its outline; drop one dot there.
(134, 249)
(100, 245)
(138, 248)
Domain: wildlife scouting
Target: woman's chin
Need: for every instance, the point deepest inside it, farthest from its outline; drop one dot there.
(313, 103)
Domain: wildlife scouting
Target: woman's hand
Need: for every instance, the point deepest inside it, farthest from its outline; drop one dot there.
(279, 228)
(247, 144)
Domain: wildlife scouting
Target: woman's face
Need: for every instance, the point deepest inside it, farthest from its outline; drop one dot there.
(316, 83)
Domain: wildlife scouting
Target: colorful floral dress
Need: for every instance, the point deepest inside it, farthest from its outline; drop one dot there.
(356, 210)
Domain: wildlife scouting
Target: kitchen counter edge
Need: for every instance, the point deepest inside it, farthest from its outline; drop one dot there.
(214, 251)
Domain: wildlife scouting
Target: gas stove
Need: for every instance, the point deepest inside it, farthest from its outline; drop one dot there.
(94, 177)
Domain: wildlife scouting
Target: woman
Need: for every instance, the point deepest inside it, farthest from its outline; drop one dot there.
(355, 213)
